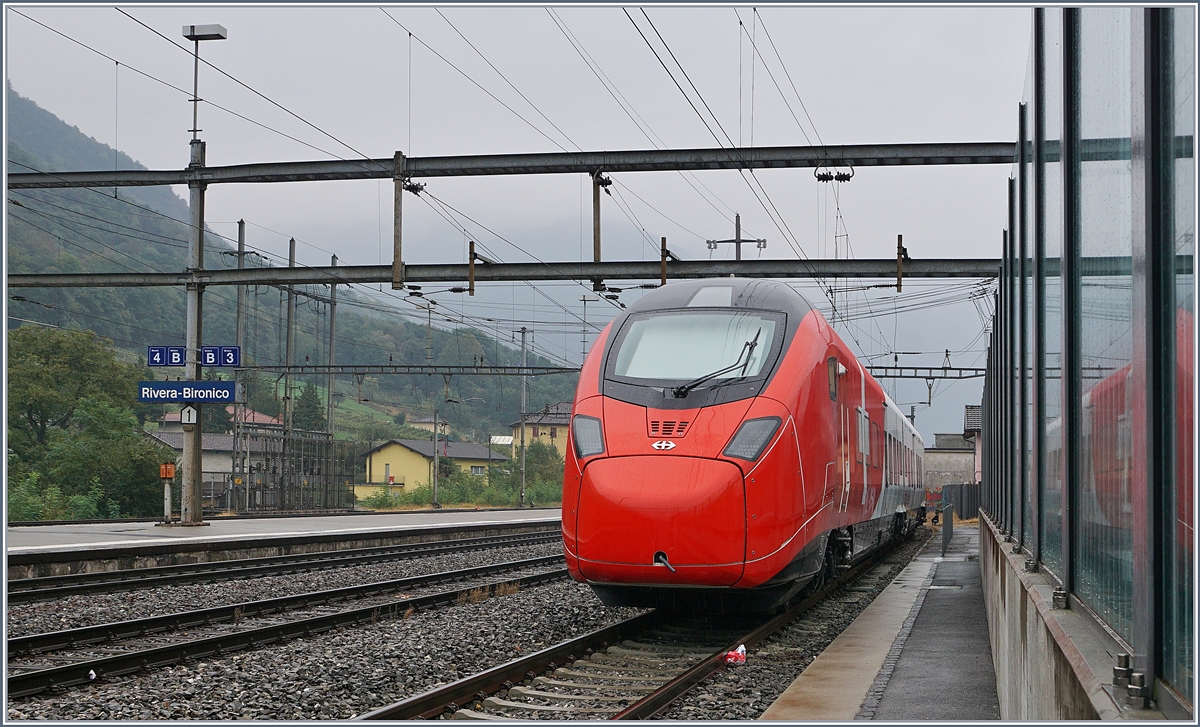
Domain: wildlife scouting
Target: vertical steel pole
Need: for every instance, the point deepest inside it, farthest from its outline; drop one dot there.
(1072, 282)
(523, 387)
(287, 468)
(400, 178)
(189, 506)
(435, 457)
(737, 235)
(332, 357)
(1038, 344)
(597, 283)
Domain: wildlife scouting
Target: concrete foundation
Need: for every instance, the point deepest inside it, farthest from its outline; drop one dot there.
(1050, 663)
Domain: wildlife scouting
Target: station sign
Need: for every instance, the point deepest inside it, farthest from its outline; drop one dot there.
(166, 356)
(224, 392)
(209, 356)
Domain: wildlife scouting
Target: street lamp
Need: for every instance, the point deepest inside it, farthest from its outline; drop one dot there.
(190, 512)
(198, 33)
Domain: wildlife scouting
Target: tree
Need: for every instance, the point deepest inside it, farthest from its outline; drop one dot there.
(51, 369)
(77, 449)
(308, 414)
(215, 418)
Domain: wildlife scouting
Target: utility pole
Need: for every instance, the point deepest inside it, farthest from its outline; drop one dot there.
(332, 359)
(289, 348)
(598, 181)
(241, 289)
(190, 512)
(523, 387)
(435, 458)
(585, 300)
(737, 239)
(285, 469)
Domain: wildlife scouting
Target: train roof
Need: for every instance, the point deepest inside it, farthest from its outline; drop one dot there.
(726, 293)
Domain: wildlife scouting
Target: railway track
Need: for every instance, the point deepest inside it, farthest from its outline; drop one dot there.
(77, 656)
(630, 670)
(49, 587)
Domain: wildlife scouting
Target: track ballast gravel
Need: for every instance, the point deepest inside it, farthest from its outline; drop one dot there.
(93, 609)
(745, 692)
(344, 672)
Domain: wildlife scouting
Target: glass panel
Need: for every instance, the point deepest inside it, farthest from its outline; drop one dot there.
(1052, 482)
(686, 346)
(1178, 646)
(1104, 554)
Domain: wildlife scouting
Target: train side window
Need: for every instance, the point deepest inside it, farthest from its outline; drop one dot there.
(832, 363)
(876, 445)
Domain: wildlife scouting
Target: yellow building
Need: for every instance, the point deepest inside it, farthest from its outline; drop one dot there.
(401, 464)
(548, 426)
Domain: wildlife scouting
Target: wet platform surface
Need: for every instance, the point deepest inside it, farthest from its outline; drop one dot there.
(116, 535)
(919, 651)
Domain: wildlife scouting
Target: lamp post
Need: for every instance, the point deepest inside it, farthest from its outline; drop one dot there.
(190, 512)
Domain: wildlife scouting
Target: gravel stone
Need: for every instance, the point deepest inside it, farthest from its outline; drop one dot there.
(39, 617)
(343, 672)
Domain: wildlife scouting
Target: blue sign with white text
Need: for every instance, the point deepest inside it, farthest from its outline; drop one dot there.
(210, 355)
(176, 355)
(156, 356)
(224, 392)
(231, 356)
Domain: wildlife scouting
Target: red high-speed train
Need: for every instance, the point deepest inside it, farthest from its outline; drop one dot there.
(727, 449)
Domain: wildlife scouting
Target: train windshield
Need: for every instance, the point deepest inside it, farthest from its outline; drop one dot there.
(674, 346)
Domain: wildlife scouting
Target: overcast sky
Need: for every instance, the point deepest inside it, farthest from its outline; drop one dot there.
(344, 76)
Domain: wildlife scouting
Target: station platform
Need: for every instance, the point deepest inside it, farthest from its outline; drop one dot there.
(919, 651)
(53, 549)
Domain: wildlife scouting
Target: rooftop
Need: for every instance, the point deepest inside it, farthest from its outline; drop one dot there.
(449, 450)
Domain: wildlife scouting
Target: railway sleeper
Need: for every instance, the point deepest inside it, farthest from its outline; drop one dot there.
(661, 648)
(655, 656)
(498, 703)
(544, 681)
(624, 667)
(557, 697)
(659, 677)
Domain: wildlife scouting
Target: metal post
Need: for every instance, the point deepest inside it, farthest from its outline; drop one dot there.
(166, 500)
(288, 454)
(332, 358)
(189, 506)
(737, 235)
(899, 262)
(1071, 360)
(289, 349)
(241, 289)
(664, 262)
(435, 457)
(523, 387)
(400, 177)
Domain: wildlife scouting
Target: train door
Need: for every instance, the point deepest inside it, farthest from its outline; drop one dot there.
(839, 394)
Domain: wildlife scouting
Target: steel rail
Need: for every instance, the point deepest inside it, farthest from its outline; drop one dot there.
(430, 704)
(32, 682)
(660, 699)
(448, 698)
(47, 587)
(647, 160)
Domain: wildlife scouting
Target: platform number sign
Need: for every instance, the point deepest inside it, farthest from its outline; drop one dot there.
(176, 355)
(231, 356)
(156, 356)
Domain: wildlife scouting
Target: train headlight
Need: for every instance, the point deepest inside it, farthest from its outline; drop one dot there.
(588, 435)
(752, 437)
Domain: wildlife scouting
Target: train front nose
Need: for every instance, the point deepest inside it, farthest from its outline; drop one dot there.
(662, 520)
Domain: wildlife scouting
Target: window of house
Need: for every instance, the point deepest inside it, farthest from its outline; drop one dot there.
(535, 432)
(478, 470)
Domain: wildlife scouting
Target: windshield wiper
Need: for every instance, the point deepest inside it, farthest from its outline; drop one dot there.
(682, 390)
